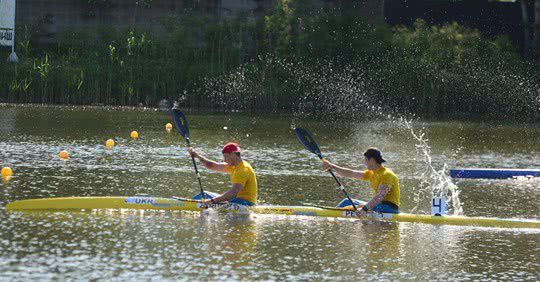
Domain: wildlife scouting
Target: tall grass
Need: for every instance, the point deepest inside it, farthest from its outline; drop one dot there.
(284, 61)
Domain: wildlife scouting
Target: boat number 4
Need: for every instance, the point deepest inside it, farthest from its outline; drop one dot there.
(439, 206)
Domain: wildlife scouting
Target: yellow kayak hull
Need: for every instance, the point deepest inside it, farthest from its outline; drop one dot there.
(156, 203)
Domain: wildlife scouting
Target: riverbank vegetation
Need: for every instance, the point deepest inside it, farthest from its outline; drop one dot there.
(296, 59)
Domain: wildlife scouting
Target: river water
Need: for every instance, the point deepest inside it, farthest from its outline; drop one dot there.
(111, 244)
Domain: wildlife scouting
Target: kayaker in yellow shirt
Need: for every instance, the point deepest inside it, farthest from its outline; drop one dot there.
(383, 181)
(243, 178)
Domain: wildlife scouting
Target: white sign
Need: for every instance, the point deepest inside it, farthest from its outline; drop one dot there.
(439, 206)
(7, 22)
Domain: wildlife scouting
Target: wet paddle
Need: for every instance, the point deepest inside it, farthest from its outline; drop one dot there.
(305, 138)
(181, 123)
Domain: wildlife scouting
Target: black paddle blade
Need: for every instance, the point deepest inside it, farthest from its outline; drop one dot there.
(305, 138)
(181, 123)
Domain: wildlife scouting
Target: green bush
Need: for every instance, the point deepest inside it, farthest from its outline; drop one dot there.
(297, 58)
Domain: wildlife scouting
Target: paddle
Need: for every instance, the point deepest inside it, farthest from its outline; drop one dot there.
(305, 138)
(181, 123)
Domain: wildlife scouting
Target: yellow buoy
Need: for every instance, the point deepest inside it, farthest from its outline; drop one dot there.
(134, 134)
(7, 172)
(109, 143)
(168, 127)
(64, 155)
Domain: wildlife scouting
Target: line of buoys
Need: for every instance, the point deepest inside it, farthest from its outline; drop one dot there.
(110, 143)
(7, 172)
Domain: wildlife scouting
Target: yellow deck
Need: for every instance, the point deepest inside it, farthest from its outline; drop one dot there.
(78, 203)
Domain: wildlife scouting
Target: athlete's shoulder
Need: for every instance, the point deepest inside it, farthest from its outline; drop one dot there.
(247, 165)
(389, 173)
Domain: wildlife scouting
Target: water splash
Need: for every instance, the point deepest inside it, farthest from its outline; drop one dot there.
(435, 181)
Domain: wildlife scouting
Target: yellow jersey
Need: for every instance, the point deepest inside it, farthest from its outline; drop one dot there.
(387, 177)
(244, 175)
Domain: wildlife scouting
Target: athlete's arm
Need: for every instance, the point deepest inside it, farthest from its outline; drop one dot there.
(209, 164)
(345, 172)
(383, 190)
(231, 194)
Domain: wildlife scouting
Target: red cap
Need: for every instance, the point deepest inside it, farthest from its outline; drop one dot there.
(231, 148)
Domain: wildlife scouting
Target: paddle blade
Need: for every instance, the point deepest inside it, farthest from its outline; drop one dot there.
(307, 140)
(181, 123)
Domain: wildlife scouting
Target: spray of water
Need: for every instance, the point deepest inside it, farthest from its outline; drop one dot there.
(435, 181)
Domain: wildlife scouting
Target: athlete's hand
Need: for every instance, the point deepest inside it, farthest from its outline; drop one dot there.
(327, 165)
(361, 213)
(193, 153)
(206, 203)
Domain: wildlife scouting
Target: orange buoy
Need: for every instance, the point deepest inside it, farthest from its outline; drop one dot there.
(109, 143)
(7, 172)
(63, 155)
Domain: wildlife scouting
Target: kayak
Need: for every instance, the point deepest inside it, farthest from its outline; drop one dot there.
(157, 203)
(493, 173)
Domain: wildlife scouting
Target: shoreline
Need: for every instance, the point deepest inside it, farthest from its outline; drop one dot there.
(284, 114)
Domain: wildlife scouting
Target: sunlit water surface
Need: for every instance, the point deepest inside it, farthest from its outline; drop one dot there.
(209, 246)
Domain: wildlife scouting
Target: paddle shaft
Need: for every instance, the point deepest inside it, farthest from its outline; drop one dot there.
(341, 186)
(307, 140)
(196, 170)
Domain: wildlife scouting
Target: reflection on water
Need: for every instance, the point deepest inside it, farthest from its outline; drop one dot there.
(143, 245)
(130, 244)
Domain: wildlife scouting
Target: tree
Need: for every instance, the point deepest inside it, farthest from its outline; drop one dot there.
(531, 28)
(536, 41)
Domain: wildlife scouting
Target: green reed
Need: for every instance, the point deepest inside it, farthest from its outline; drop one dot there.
(273, 64)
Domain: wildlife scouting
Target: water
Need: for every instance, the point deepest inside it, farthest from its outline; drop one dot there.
(179, 245)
